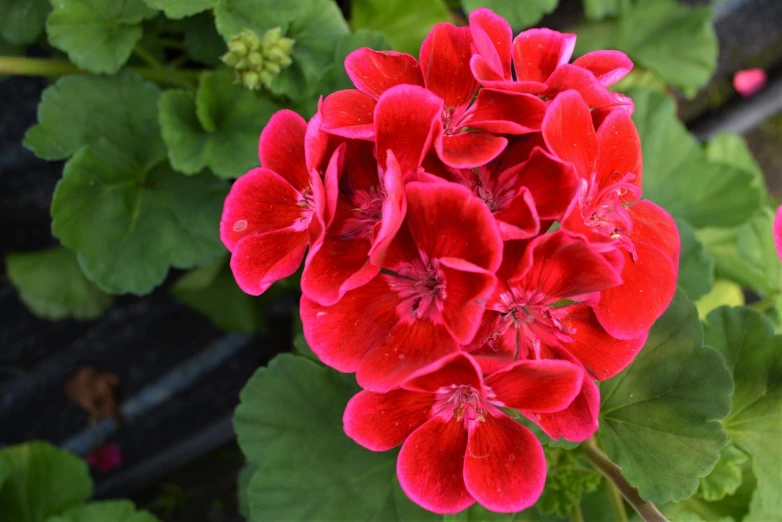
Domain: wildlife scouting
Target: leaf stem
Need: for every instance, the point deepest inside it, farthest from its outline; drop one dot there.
(765, 304)
(617, 504)
(53, 68)
(613, 473)
(577, 515)
(147, 57)
(171, 43)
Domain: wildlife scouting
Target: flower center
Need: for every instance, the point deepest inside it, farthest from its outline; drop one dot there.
(464, 404)
(366, 211)
(604, 209)
(421, 288)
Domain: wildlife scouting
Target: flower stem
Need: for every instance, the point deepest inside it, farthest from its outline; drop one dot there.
(577, 515)
(54, 68)
(613, 473)
(766, 303)
(147, 57)
(617, 504)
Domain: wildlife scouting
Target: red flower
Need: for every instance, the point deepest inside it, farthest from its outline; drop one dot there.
(105, 458)
(468, 136)
(539, 58)
(272, 213)
(368, 195)
(458, 447)
(437, 274)
(642, 235)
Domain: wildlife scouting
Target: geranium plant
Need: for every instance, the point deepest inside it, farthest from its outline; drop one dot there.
(512, 257)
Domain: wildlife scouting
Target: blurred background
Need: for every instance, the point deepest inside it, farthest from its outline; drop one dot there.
(147, 386)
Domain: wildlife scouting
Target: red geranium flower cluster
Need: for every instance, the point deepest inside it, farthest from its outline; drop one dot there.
(474, 242)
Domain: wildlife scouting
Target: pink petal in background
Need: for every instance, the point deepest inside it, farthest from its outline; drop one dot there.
(749, 81)
(778, 232)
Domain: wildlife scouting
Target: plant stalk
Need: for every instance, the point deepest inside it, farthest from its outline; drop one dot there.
(577, 515)
(53, 68)
(613, 473)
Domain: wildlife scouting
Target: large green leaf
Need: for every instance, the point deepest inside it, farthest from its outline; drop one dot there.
(215, 128)
(41, 481)
(212, 291)
(98, 35)
(404, 22)
(659, 418)
(202, 41)
(180, 8)
(52, 286)
(289, 424)
(21, 21)
(130, 224)
(754, 354)
(732, 149)
(315, 25)
(80, 110)
(599, 9)
(696, 267)
(677, 174)
(723, 292)
(106, 511)
(678, 43)
(242, 487)
(519, 15)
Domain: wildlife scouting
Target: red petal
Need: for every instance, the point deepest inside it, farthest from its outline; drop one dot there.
(518, 219)
(602, 355)
(608, 66)
(281, 148)
(653, 225)
(778, 232)
(595, 94)
(381, 421)
(407, 119)
(446, 220)
(538, 386)
(318, 145)
(467, 288)
(568, 131)
(537, 52)
(455, 369)
(349, 114)
(341, 334)
(407, 347)
(466, 150)
(552, 183)
(620, 149)
(394, 210)
(560, 266)
(430, 466)
(504, 469)
(374, 72)
(501, 112)
(259, 202)
(578, 422)
(445, 61)
(492, 37)
(649, 283)
(261, 260)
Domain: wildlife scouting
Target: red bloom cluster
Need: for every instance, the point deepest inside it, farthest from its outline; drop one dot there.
(477, 243)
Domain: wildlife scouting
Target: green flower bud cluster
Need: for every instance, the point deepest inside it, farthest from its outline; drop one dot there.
(258, 60)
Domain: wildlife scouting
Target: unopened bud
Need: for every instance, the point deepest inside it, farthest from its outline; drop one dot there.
(258, 60)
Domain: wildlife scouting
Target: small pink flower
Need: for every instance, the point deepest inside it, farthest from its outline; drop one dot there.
(778, 232)
(749, 81)
(105, 458)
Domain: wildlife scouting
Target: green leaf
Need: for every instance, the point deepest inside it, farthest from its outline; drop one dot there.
(731, 149)
(130, 224)
(127, 107)
(52, 286)
(726, 476)
(723, 292)
(202, 41)
(404, 22)
(106, 511)
(478, 513)
(21, 21)
(336, 78)
(659, 419)
(42, 481)
(300, 346)
(679, 177)
(519, 15)
(180, 8)
(696, 267)
(212, 291)
(98, 35)
(569, 477)
(215, 128)
(754, 354)
(242, 486)
(676, 42)
(289, 424)
(599, 9)
(315, 25)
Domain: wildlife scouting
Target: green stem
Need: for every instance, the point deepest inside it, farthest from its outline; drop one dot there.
(765, 304)
(147, 57)
(577, 515)
(617, 504)
(54, 68)
(613, 473)
(171, 43)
